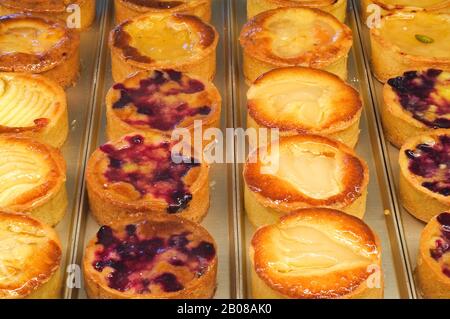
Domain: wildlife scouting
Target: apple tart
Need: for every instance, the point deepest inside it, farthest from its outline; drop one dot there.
(392, 6)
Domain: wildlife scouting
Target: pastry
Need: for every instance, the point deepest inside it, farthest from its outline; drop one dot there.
(161, 41)
(303, 171)
(32, 179)
(39, 45)
(141, 175)
(299, 100)
(30, 256)
(127, 9)
(415, 103)
(160, 101)
(433, 264)
(33, 106)
(158, 258)
(295, 37)
(425, 174)
(316, 253)
(392, 6)
(338, 8)
(54, 9)
(410, 41)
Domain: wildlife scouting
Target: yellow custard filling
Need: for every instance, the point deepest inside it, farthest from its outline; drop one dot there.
(414, 3)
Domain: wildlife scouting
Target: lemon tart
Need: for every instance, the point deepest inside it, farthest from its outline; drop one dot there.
(127, 9)
(316, 253)
(303, 171)
(159, 102)
(433, 264)
(164, 257)
(33, 106)
(415, 103)
(425, 174)
(161, 41)
(338, 8)
(392, 6)
(295, 37)
(33, 44)
(146, 175)
(300, 100)
(30, 256)
(55, 9)
(410, 41)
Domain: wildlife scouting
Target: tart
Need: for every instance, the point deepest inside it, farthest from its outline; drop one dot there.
(410, 41)
(158, 102)
(32, 179)
(299, 100)
(433, 264)
(295, 37)
(33, 106)
(392, 6)
(338, 8)
(38, 45)
(164, 257)
(316, 253)
(303, 171)
(30, 256)
(127, 9)
(140, 175)
(161, 41)
(54, 9)
(416, 103)
(425, 174)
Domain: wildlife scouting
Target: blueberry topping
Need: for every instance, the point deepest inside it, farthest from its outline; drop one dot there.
(442, 244)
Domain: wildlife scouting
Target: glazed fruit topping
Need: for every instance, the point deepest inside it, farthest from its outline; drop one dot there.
(432, 162)
(157, 4)
(162, 101)
(425, 95)
(141, 264)
(150, 169)
(442, 244)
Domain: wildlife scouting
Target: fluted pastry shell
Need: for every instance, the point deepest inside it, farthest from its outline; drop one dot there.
(115, 200)
(295, 37)
(422, 202)
(316, 253)
(299, 100)
(195, 286)
(33, 106)
(397, 48)
(160, 41)
(338, 8)
(55, 9)
(39, 45)
(310, 171)
(30, 256)
(127, 9)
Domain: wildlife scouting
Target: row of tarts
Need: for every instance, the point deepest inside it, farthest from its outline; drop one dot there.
(151, 245)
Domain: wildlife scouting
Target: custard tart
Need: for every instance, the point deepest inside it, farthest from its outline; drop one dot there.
(316, 253)
(30, 256)
(295, 37)
(338, 8)
(127, 9)
(33, 106)
(410, 41)
(433, 264)
(303, 171)
(146, 175)
(56, 9)
(161, 41)
(158, 102)
(164, 257)
(415, 103)
(425, 174)
(39, 45)
(392, 6)
(299, 100)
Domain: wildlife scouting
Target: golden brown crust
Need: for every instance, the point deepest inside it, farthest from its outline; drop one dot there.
(161, 226)
(40, 6)
(37, 257)
(256, 38)
(339, 280)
